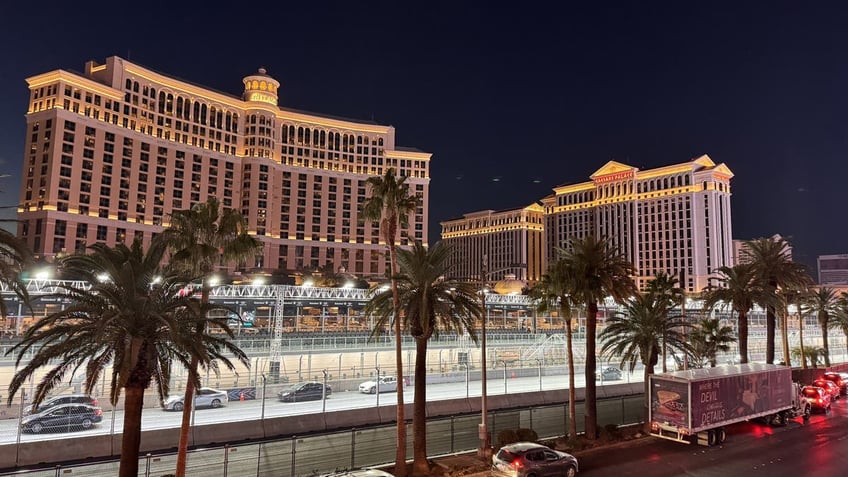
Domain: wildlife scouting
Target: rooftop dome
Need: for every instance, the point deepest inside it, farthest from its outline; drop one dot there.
(509, 285)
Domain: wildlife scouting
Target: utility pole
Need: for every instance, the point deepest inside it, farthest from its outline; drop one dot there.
(483, 430)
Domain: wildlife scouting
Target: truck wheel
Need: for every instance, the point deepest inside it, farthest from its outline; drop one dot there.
(721, 435)
(806, 414)
(778, 419)
(711, 438)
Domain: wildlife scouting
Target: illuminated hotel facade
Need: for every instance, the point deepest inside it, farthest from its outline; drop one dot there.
(512, 241)
(674, 219)
(111, 153)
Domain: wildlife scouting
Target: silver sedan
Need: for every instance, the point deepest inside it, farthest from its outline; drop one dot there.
(206, 397)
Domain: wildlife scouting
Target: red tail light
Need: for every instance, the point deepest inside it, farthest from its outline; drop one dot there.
(516, 464)
(98, 412)
(94, 402)
(819, 400)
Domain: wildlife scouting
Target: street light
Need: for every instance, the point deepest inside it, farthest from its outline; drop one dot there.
(483, 431)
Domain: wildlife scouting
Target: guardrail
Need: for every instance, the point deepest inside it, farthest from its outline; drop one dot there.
(315, 454)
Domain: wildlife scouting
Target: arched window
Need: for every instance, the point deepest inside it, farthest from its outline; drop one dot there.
(169, 105)
(380, 142)
(153, 93)
(235, 122)
(213, 114)
(299, 136)
(128, 85)
(179, 106)
(161, 103)
(135, 86)
(323, 138)
(315, 137)
(203, 111)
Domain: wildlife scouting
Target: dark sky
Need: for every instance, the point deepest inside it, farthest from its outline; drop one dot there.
(511, 100)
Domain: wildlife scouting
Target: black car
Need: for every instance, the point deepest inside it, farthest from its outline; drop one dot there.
(63, 418)
(308, 391)
(59, 400)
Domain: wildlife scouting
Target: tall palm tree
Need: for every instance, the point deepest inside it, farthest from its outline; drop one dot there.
(129, 319)
(201, 239)
(822, 302)
(775, 270)
(429, 304)
(710, 337)
(599, 271)
(390, 204)
(665, 288)
(738, 288)
(15, 257)
(555, 290)
(635, 334)
(839, 319)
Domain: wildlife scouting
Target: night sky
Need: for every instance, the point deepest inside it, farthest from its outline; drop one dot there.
(511, 100)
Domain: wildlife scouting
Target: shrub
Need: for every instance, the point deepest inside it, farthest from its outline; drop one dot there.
(527, 435)
(506, 437)
(611, 432)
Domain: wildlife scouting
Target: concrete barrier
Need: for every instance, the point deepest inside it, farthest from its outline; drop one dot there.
(158, 440)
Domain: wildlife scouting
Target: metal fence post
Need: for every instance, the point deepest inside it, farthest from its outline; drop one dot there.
(352, 448)
(293, 452)
(58, 470)
(147, 465)
(452, 432)
(226, 458)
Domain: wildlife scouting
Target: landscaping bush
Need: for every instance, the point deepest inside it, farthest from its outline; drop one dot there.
(527, 435)
(506, 437)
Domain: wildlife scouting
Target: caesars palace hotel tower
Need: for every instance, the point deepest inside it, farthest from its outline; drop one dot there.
(673, 219)
(112, 152)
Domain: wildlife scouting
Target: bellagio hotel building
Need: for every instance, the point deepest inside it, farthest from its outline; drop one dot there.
(674, 219)
(112, 152)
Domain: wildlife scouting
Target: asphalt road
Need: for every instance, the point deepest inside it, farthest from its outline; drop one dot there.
(818, 449)
(235, 411)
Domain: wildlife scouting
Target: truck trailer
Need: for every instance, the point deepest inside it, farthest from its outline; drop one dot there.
(694, 406)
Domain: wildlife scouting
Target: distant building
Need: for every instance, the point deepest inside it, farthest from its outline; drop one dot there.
(112, 152)
(833, 269)
(674, 219)
(511, 240)
(739, 247)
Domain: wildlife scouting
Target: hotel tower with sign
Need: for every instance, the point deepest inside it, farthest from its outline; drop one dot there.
(673, 219)
(112, 152)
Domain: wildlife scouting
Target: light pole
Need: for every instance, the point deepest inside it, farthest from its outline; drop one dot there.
(483, 431)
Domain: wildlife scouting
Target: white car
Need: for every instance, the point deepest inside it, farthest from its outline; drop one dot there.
(206, 397)
(385, 384)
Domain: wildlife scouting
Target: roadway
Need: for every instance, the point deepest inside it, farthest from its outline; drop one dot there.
(239, 411)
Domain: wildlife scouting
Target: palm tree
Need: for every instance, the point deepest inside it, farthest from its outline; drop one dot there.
(132, 319)
(554, 290)
(390, 205)
(775, 270)
(822, 302)
(14, 258)
(429, 304)
(635, 334)
(202, 238)
(665, 288)
(710, 337)
(739, 289)
(599, 270)
(839, 319)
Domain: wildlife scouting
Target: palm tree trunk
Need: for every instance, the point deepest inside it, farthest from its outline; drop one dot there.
(420, 465)
(188, 397)
(784, 331)
(591, 413)
(131, 438)
(648, 371)
(664, 354)
(572, 406)
(743, 337)
(801, 339)
(400, 454)
(825, 346)
(770, 326)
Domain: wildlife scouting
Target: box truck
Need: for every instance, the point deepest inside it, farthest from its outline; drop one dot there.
(695, 405)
